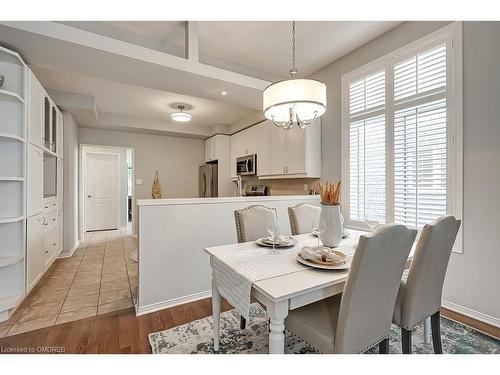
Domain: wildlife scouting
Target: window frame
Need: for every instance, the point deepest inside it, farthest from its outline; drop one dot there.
(452, 36)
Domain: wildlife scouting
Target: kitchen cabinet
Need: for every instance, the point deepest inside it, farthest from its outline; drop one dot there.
(60, 186)
(44, 118)
(59, 137)
(34, 235)
(216, 147)
(34, 175)
(35, 111)
(295, 153)
(246, 142)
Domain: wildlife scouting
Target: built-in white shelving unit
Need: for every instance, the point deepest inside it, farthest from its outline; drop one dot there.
(13, 131)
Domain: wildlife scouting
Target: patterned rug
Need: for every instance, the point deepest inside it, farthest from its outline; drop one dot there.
(197, 338)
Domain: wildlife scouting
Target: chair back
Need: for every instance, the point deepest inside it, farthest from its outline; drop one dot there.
(424, 285)
(371, 288)
(303, 217)
(253, 221)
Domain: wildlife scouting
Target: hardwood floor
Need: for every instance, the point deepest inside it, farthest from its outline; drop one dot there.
(471, 322)
(117, 332)
(123, 332)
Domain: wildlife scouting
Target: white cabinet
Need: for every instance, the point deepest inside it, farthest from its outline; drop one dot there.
(44, 118)
(59, 182)
(295, 153)
(216, 147)
(247, 142)
(35, 110)
(211, 149)
(59, 136)
(34, 177)
(34, 243)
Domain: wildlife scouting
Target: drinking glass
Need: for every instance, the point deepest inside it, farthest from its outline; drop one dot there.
(319, 229)
(371, 224)
(274, 232)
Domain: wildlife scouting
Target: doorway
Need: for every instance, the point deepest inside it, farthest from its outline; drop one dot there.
(106, 188)
(102, 191)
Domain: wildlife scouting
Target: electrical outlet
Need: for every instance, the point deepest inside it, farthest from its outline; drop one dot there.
(138, 181)
(306, 187)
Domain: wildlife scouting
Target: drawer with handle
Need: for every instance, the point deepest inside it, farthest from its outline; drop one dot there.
(50, 219)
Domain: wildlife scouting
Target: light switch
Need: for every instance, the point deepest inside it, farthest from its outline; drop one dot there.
(138, 181)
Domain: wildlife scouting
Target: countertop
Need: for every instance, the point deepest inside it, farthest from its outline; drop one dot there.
(268, 198)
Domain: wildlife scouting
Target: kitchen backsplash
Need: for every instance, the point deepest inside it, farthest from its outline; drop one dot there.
(292, 186)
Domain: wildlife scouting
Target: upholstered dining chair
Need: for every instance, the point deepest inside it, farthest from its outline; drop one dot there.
(421, 287)
(252, 223)
(303, 217)
(360, 317)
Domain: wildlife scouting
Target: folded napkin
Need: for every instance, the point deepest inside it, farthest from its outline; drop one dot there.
(278, 240)
(320, 253)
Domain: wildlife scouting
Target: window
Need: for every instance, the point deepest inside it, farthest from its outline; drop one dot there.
(401, 124)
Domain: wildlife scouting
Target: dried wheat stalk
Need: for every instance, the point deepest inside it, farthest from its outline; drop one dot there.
(330, 193)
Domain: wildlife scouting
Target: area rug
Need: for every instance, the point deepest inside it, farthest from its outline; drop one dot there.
(197, 338)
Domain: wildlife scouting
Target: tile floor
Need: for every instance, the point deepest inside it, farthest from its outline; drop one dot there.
(99, 278)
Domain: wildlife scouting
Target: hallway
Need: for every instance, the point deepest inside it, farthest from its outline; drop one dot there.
(99, 278)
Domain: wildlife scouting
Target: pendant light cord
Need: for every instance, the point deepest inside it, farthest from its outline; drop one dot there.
(293, 70)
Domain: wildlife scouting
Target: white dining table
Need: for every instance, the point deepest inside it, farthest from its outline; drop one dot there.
(286, 292)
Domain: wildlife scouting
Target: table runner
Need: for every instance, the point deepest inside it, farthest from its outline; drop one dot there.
(236, 271)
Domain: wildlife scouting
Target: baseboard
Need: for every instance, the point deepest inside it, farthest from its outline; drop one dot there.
(471, 313)
(141, 310)
(70, 253)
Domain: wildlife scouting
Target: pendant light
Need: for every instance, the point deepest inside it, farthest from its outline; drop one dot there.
(181, 116)
(294, 101)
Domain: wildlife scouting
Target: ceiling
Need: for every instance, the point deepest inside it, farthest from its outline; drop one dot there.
(135, 71)
(113, 97)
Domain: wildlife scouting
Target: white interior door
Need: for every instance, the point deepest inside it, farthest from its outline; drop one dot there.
(102, 191)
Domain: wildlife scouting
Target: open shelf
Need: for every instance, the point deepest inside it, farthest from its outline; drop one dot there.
(9, 261)
(12, 157)
(11, 199)
(12, 94)
(9, 302)
(12, 219)
(11, 117)
(13, 68)
(11, 137)
(12, 235)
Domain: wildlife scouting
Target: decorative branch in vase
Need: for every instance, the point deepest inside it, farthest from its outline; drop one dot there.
(330, 214)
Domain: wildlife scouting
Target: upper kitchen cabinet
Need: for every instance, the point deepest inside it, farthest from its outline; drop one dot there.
(44, 118)
(216, 147)
(36, 111)
(294, 153)
(246, 142)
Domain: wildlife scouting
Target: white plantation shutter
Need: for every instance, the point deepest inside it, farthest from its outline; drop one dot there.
(420, 164)
(367, 148)
(420, 138)
(401, 116)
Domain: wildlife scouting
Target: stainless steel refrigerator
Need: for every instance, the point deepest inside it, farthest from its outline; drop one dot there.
(208, 181)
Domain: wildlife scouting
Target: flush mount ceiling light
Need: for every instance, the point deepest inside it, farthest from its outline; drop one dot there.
(181, 116)
(294, 101)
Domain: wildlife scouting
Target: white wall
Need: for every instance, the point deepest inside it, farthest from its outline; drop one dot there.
(70, 188)
(176, 158)
(473, 278)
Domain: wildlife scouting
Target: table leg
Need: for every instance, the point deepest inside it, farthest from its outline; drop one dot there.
(427, 330)
(277, 314)
(216, 304)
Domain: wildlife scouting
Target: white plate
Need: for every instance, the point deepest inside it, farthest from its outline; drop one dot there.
(338, 267)
(261, 242)
(345, 234)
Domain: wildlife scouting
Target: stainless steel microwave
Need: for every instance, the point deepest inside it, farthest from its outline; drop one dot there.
(246, 165)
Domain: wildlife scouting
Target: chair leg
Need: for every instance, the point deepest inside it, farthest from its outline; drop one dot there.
(383, 346)
(243, 322)
(406, 341)
(436, 332)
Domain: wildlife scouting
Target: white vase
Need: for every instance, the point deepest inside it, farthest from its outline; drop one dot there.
(330, 215)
